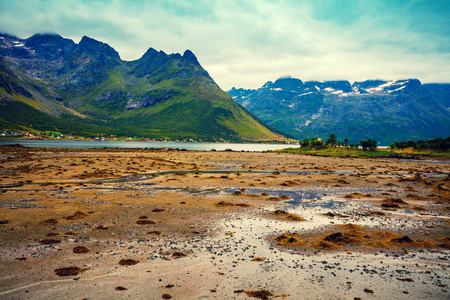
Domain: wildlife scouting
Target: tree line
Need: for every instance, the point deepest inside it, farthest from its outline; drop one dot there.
(437, 144)
(332, 141)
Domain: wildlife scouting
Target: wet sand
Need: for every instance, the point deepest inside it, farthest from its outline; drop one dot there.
(156, 224)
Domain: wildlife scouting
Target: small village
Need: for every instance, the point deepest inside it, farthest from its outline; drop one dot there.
(54, 135)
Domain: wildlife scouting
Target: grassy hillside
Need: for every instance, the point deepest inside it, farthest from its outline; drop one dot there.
(17, 115)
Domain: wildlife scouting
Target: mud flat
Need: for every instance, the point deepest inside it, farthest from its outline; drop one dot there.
(158, 224)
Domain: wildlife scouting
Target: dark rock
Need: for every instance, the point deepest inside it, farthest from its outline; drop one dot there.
(403, 240)
(337, 237)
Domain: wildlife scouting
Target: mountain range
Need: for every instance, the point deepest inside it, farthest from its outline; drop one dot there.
(386, 111)
(48, 82)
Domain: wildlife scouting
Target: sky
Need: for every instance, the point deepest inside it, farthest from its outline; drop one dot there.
(245, 43)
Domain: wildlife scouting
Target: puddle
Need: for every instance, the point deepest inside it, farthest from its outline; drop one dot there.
(324, 198)
(20, 203)
(14, 205)
(190, 191)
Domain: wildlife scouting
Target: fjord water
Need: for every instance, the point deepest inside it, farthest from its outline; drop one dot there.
(141, 145)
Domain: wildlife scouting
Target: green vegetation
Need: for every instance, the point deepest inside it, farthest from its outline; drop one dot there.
(180, 120)
(337, 152)
(438, 144)
(438, 148)
(53, 132)
(368, 145)
(359, 153)
(16, 115)
(332, 140)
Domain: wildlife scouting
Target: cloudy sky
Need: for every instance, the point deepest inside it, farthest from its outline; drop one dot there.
(247, 43)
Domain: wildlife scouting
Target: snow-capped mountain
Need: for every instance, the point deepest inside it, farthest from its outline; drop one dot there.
(384, 110)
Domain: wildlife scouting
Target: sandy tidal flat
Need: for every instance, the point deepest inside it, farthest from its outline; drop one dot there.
(148, 224)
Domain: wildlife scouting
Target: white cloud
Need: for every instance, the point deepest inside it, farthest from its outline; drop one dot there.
(246, 43)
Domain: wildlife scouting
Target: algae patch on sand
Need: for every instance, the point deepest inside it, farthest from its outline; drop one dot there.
(70, 271)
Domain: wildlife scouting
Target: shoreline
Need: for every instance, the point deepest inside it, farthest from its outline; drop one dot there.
(185, 146)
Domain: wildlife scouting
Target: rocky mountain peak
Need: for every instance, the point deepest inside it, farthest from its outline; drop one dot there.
(45, 39)
(49, 46)
(368, 84)
(91, 46)
(12, 46)
(287, 84)
(158, 57)
(189, 56)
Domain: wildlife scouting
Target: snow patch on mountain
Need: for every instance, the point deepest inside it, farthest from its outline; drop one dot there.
(388, 87)
(400, 88)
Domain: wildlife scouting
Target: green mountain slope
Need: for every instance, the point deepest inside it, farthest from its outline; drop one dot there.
(88, 86)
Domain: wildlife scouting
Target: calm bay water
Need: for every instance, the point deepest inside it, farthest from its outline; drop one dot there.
(156, 145)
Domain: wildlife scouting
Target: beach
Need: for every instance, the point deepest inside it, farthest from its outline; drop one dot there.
(162, 224)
